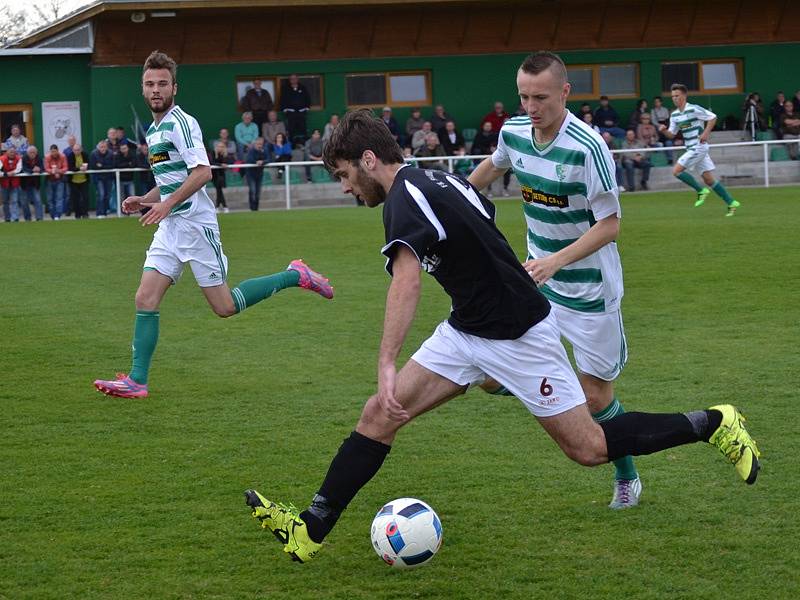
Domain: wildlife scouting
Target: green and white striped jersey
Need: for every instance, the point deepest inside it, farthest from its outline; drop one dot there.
(175, 146)
(566, 188)
(691, 121)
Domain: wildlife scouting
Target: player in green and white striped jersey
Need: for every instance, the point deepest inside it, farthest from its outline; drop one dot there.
(571, 205)
(187, 230)
(695, 124)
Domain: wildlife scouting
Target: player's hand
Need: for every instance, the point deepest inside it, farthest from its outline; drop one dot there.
(662, 127)
(157, 213)
(132, 204)
(541, 269)
(703, 139)
(387, 382)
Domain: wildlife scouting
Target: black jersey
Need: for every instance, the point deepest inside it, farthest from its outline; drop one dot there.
(451, 229)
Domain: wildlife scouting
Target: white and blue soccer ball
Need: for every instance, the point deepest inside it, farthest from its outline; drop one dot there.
(406, 533)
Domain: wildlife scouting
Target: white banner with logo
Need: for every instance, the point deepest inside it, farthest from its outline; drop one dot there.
(59, 121)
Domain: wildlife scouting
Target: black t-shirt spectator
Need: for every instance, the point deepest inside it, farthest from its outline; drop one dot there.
(450, 227)
(125, 161)
(484, 143)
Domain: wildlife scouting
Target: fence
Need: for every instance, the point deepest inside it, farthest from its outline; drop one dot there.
(450, 160)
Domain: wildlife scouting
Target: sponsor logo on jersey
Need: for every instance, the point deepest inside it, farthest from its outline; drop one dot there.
(431, 263)
(158, 157)
(532, 196)
(561, 172)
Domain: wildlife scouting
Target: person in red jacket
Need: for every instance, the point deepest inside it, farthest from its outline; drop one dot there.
(497, 117)
(55, 165)
(10, 165)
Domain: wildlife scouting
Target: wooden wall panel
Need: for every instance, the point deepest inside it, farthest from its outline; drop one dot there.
(534, 29)
(395, 33)
(623, 24)
(486, 29)
(579, 25)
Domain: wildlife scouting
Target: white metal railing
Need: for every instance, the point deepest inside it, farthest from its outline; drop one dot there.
(449, 160)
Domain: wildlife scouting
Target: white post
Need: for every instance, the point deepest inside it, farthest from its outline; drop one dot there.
(288, 188)
(119, 203)
(766, 164)
(449, 164)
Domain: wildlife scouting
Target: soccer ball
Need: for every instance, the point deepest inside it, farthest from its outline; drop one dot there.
(406, 533)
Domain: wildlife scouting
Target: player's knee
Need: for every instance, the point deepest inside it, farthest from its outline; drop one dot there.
(588, 451)
(145, 300)
(376, 420)
(224, 311)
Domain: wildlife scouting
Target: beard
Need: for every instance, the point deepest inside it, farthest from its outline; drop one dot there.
(372, 192)
(163, 104)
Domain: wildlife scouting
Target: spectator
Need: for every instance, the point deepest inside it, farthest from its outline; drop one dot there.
(648, 133)
(450, 138)
(257, 155)
(584, 109)
(753, 111)
(245, 133)
(112, 139)
(391, 123)
(10, 165)
(609, 140)
(431, 148)
(71, 141)
(790, 127)
(101, 159)
(497, 117)
(418, 139)
(462, 166)
(122, 138)
(607, 119)
(78, 161)
(408, 157)
(258, 101)
(414, 123)
(272, 127)
(330, 126)
(29, 186)
(281, 151)
(16, 139)
(295, 103)
(659, 114)
(146, 180)
(485, 142)
(634, 161)
(636, 114)
(588, 118)
(796, 100)
(776, 110)
(225, 138)
(220, 158)
(125, 159)
(439, 118)
(55, 165)
(313, 149)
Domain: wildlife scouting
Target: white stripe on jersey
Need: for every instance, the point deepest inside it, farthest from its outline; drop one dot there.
(691, 122)
(426, 209)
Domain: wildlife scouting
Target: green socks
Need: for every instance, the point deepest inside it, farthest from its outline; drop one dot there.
(625, 468)
(252, 291)
(686, 178)
(722, 193)
(145, 338)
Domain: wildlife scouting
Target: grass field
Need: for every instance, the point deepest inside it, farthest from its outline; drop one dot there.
(104, 498)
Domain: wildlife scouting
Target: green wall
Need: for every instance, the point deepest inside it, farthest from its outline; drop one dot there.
(466, 85)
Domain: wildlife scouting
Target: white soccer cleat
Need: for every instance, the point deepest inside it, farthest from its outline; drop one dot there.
(626, 493)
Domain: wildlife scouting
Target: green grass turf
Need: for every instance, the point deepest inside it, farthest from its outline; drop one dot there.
(105, 498)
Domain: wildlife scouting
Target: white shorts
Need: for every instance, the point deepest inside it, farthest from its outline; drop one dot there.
(533, 367)
(697, 158)
(598, 340)
(178, 241)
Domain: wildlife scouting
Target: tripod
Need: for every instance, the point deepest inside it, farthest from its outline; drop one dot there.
(750, 121)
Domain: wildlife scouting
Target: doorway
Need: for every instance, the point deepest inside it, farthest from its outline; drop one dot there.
(16, 114)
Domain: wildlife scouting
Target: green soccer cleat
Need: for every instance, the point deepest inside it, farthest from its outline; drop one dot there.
(701, 197)
(732, 208)
(285, 524)
(735, 443)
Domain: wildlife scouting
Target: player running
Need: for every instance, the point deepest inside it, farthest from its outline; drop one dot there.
(500, 326)
(572, 211)
(695, 124)
(187, 232)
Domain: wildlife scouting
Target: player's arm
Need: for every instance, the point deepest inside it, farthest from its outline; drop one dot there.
(601, 233)
(707, 131)
(484, 174)
(199, 176)
(133, 204)
(401, 305)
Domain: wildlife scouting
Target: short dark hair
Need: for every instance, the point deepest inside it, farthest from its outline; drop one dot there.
(360, 130)
(680, 87)
(53, 147)
(540, 61)
(159, 60)
(657, 98)
(603, 97)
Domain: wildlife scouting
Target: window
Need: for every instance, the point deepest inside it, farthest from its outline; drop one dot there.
(706, 76)
(393, 89)
(273, 84)
(589, 82)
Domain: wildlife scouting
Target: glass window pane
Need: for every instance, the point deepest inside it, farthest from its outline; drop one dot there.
(618, 80)
(581, 81)
(366, 89)
(408, 88)
(719, 76)
(242, 85)
(686, 73)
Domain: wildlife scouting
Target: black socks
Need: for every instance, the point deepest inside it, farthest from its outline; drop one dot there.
(358, 460)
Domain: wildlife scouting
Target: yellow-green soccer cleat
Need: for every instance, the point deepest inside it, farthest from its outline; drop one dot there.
(285, 524)
(735, 443)
(732, 208)
(701, 196)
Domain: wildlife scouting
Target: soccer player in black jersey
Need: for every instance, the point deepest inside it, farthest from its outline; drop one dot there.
(500, 326)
